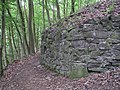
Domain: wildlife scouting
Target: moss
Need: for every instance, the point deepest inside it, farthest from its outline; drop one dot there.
(58, 35)
(111, 8)
(81, 72)
(115, 36)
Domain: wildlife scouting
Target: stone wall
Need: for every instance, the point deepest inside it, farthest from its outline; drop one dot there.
(88, 41)
(93, 45)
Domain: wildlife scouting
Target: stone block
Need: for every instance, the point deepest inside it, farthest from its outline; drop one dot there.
(108, 53)
(75, 37)
(115, 18)
(117, 47)
(84, 58)
(80, 44)
(97, 69)
(115, 35)
(78, 70)
(73, 32)
(95, 54)
(93, 47)
(117, 64)
(103, 46)
(112, 41)
(116, 24)
(88, 27)
(94, 64)
(100, 34)
(105, 21)
(116, 52)
(79, 52)
(88, 34)
(96, 34)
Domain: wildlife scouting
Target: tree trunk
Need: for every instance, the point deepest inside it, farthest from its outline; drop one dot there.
(72, 6)
(30, 18)
(53, 11)
(64, 6)
(48, 15)
(1, 63)
(43, 11)
(25, 11)
(11, 46)
(67, 10)
(34, 28)
(6, 61)
(58, 10)
(3, 36)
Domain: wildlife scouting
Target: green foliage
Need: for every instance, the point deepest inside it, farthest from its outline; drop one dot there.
(110, 8)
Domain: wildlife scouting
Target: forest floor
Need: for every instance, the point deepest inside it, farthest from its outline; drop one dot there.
(28, 74)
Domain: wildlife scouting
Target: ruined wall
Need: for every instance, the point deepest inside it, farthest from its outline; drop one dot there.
(95, 44)
(88, 41)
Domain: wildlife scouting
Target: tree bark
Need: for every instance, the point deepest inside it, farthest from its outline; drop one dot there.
(3, 36)
(34, 27)
(72, 6)
(43, 11)
(64, 6)
(6, 61)
(58, 10)
(67, 11)
(1, 63)
(11, 46)
(30, 20)
(48, 15)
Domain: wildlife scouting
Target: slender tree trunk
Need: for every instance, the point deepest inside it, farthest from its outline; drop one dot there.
(52, 8)
(34, 28)
(43, 11)
(48, 15)
(6, 61)
(30, 19)
(72, 6)
(58, 10)
(3, 36)
(11, 46)
(64, 6)
(25, 12)
(1, 63)
(67, 7)
(37, 37)
(20, 53)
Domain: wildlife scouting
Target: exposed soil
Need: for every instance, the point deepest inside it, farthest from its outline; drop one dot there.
(28, 74)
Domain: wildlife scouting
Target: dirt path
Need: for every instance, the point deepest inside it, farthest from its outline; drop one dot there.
(29, 75)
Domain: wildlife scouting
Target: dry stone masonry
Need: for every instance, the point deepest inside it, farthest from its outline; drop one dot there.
(76, 48)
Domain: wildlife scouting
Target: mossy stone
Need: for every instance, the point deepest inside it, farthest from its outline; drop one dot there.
(78, 71)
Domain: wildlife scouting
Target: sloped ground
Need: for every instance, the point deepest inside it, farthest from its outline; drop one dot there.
(29, 75)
